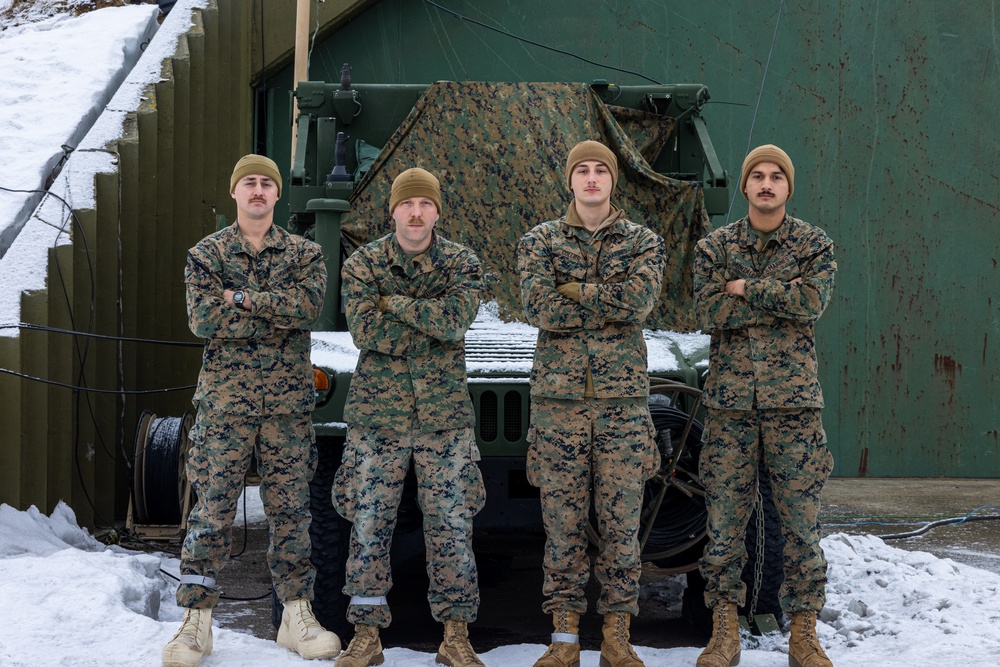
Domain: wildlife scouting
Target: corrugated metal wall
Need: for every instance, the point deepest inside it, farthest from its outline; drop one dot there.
(888, 110)
(171, 183)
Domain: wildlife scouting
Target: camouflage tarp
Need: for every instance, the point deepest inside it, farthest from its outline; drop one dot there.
(499, 150)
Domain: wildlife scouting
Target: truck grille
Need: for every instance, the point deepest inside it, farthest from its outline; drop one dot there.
(511, 405)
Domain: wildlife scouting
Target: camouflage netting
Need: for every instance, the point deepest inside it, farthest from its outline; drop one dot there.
(499, 150)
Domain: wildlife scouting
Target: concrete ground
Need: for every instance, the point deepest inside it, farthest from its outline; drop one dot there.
(511, 581)
(857, 506)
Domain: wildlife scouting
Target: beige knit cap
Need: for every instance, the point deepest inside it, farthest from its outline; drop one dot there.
(255, 164)
(591, 150)
(768, 153)
(415, 182)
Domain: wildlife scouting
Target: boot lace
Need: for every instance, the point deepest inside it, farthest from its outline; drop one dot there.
(622, 636)
(720, 627)
(307, 619)
(562, 621)
(807, 632)
(363, 638)
(459, 643)
(189, 627)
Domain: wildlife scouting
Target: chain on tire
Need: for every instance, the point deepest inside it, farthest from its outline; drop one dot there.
(758, 567)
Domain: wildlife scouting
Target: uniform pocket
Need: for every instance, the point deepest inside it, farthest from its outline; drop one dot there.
(344, 493)
(650, 453)
(532, 465)
(475, 489)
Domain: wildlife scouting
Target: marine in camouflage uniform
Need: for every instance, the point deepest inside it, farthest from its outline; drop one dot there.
(588, 281)
(409, 299)
(761, 283)
(253, 292)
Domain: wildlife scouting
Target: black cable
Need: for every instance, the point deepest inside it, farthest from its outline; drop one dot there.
(943, 522)
(81, 353)
(127, 339)
(88, 390)
(540, 45)
(246, 534)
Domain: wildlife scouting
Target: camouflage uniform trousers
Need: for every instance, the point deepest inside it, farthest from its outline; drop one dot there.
(600, 444)
(222, 445)
(450, 491)
(793, 446)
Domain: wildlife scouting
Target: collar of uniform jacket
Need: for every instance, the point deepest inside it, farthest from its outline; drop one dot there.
(430, 260)
(273, 239)
(572, 225)
(748, 238)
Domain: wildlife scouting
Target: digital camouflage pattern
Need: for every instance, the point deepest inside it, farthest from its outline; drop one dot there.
(450, 491)
(763, 349)
(499, 151)
(255, 389)
(792, 444)
(222, 445)
(764, 399)
(598, 437)
(410, 374)
(572, 442)
(620, 269)
(250, 366)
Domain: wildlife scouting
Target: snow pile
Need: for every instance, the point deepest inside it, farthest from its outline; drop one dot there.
(921, 609)
(884, 606)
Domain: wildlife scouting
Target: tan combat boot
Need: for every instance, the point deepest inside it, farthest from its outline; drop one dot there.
(803, 645)
(191, 642)
(564, 651)
(365, 650)
(723, 648)
(301, 632)
(455, 650)
(615, 649)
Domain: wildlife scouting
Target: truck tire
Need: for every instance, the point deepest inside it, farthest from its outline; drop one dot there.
(772, 565)
(331, 536)
(772, 572)
(681, 526)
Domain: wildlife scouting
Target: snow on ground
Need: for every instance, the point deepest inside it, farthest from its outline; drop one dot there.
(70, 600)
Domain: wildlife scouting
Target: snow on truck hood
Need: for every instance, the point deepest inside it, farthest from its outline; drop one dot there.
(494, 347)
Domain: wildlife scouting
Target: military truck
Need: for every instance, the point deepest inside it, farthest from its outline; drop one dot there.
(498, 150)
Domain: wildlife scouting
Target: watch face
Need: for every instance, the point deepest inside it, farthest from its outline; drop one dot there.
(238, 297)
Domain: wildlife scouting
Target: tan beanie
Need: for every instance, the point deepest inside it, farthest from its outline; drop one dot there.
(255, 164)
(591, 150)
(768, 153)
(415, 182)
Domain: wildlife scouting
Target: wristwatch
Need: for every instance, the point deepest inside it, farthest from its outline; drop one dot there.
(238, 298)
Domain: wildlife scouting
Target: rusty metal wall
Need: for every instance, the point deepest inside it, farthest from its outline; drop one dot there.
(888, 110)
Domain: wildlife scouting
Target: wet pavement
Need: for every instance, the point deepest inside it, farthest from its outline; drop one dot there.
(511, 579)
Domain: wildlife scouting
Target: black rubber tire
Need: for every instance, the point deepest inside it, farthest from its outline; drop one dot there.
(331, 535)
(773, 569)
(693, 608)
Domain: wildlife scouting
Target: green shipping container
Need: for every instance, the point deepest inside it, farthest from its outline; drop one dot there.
(889, 111)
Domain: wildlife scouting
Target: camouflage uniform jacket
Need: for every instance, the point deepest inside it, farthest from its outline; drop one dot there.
(620, 268)
(249, 365)
(411, 370)
(763, 350)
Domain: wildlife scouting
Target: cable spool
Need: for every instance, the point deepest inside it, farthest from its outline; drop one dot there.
(160, 485)
(138, 505)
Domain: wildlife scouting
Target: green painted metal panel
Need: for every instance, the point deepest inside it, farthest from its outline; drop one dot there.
(888, 110)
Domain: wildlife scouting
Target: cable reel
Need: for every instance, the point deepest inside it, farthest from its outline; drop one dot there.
(161, 495)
